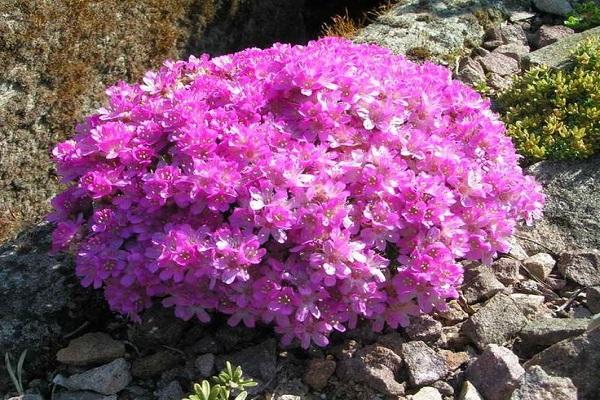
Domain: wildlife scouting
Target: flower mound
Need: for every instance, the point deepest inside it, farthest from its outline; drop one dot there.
(304, 186)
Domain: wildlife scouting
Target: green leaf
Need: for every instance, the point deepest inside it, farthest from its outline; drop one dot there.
(241, 396)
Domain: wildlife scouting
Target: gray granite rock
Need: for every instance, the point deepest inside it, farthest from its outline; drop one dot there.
(557, 55)
(91, 348)
(592, 295)
(498, 321)
(107, 379)
(172, 391)
(557, 7)
(425, 328)
(424, 365)
(495, 373)
(577, 358)
(154, 364)
(513, 50)
(427, 393)
(536, 384)
(318, 371)
(205, 365)
(531, 305)
(480, 283)
(469, 392)
(548, 34)
(513, 33)
(540, 265)
(571, 218)
(507, 270)
(544, 332)
(580, 266)
(500, 64)
(470, 71)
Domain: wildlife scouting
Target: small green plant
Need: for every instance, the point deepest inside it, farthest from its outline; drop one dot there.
(16, 374)
(555, 114)
(227, 383)
(584, 16)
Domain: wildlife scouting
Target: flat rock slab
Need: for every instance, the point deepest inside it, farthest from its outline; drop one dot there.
(107, 379)
(545, 332)
(571, 218)
(557, 54)
(91, 348)
(498, 321)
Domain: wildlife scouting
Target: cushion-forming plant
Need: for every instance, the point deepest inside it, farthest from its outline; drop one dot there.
(305, 186)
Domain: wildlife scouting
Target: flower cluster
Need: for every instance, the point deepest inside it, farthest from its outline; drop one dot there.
(305, 186)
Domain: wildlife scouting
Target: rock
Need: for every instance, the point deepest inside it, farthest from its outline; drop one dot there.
(206, 344)
(544, 332)
(517, 16)
(499, 82)
(557, 55)
(556, 7)
(424, 327)
(28, 397)
(91, 348)
(536, 384)
(531, 305)
(548, 34)
(423, 363)
(258, 362)
(571, 218)
(495, 373)
(592, 296)
(375, 366)
(453, 337)
(427, 393)
(82, 395)
(158, 327)
(512, 33)
(577, 358)
(454, 314)
(470, 71)
(444, 388)
(480, 283)
(492, 44)
(288, 397)
(580, 266)
(172, 391)
(392, 341)
(205, 365)
(454, 360)
(513, 50)
(154, 364)
(318, 373)
(540, 265)
(496, 322)
(469, 392)
(516, 250)
(507, 270)
(499, 64)
(443, 29)
(41, 300)
(107, 379)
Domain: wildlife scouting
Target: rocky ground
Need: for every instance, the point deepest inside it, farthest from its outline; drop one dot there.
(525, 327)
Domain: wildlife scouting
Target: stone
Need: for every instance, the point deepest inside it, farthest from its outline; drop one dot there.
(497, 322)
(512, 33)
(159, 326)
(507, 270)
(258, 362)
(41, 300)
(513, 50)
(580, 266)
(557, 55)
(318, 373)
(424, 327)
(28, 397)
(548, 34)
(454, 360)
(427, 393)
(571, 218)
(531, 305)
(154, 364)
(577, 358)
(517, 16)
(454, 314)
(469, 392)
(499, 82)
(536, 384)
(444, 388)
(392, 341)
(172, 391)
(470, 71)
(492, 44)
(544, 332)
(516, 250)
(499, 64)
(592, 299)
(205, 365)
(540, 265)
(424, 365)
(82, 395)
(480, 283)
(107, 379)
(375, 366)
(91, 348)
(556, 7)
(453, 337)
(495, 373)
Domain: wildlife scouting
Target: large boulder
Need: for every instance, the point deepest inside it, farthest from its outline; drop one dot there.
(571, 215)
(41, 301)
(439, 30)
(558, 53)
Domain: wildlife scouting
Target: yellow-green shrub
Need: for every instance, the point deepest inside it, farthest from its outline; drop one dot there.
(555, 114)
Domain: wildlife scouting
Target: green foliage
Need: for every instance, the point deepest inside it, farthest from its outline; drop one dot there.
(555, 114)
(227, 383)
(16, 374)
(584, 16)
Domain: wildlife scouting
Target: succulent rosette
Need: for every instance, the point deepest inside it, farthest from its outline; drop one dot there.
(303, 186)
